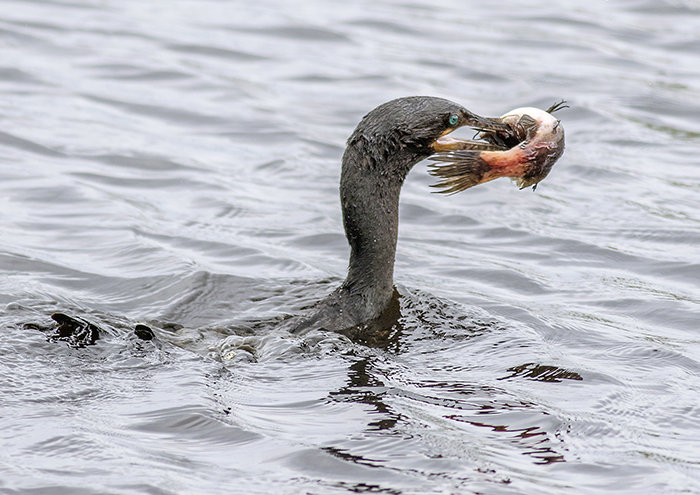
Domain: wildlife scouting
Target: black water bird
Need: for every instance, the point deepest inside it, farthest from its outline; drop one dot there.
(381, 151)
(522, 144)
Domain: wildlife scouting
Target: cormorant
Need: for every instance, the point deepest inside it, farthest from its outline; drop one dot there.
(387, 143)
(381, 151)
(523, 144)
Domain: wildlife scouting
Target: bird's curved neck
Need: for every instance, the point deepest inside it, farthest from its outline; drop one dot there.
(370, 186)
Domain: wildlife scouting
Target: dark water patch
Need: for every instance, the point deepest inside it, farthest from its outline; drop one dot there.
(57, 489)
(331, 79)
(16, 142)
(386, 26)
(42, 26)
(272, 166)
(690, 46)
(630, 143)
(171, 115)
(143, 183)
(151, 294)
(510, 281)
(144, 162)
(115, 68)
(579, 113)
(659, 105)
(543, 44)
(335, 465)
(478, 76)
(217, 52)
(224, 252)
(13, 75)
(689, 272)
(202, 298)
(673, 131)
(651, 356)
(68, 446)
(193, 424)
(51, 195)
(155, 75)
(571, 19)
(331, 242)
(70, 5)
(324, 149)
(456, 220)
(15, 36)
(296, 33)
(223, 208)
(593, 173)
(263, 136)
(621, 61)
(665, 7)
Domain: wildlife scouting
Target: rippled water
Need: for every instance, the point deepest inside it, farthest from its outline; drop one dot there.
(176, 164)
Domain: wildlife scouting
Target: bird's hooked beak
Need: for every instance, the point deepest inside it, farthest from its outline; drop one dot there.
(449, 143)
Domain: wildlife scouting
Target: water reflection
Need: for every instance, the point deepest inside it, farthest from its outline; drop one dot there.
(365, 388)
(542, 373)
(533, 440)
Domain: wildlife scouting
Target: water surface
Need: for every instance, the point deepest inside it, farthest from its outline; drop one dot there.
(176, 164)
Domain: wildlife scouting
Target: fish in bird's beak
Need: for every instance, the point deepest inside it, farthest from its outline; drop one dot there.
(525, 151)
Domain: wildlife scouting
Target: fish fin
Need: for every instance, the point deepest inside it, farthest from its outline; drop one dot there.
(557, 106)
(462, 169)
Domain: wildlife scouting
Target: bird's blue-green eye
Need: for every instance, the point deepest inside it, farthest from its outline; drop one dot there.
(454, 119)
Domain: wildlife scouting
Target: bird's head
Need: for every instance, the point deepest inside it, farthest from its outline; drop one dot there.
(407, 130)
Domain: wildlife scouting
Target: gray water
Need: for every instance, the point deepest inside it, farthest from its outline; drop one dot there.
(175, 164)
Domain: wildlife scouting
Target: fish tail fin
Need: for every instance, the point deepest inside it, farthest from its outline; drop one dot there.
(459, 170)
